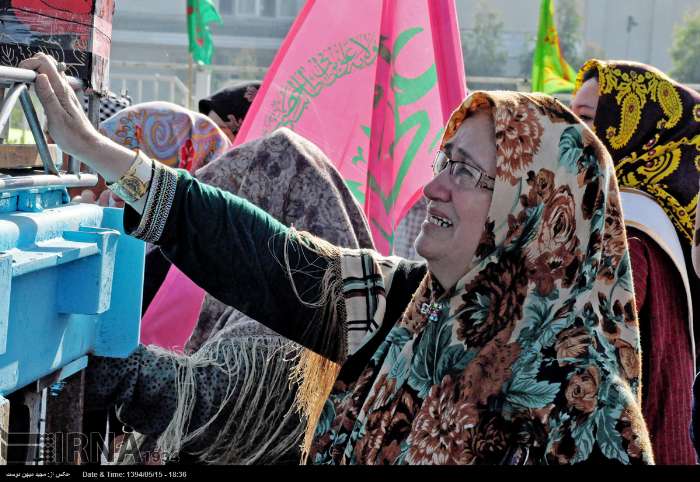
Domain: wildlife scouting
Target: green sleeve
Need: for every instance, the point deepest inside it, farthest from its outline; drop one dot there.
(235, 251)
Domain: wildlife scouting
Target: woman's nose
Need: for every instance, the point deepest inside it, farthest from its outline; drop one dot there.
(439, 188)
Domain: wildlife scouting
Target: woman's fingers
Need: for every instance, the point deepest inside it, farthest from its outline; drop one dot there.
(32, 63)
(53, 108)
(46, 65)
(45, 88)
(67, 123)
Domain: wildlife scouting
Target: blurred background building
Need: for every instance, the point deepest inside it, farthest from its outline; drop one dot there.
(150, 59)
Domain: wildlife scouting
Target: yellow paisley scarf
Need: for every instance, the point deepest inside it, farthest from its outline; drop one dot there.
(650, 124)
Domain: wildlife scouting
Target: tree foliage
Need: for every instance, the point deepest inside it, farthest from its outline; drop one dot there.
(569, 28)
(482, 46)
(685, 50)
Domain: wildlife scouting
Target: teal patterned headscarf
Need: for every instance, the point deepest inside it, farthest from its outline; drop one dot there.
(534, 355)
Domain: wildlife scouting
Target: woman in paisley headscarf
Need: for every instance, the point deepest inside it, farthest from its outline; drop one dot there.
(167, 132)
(490, 358)
(651, 127)
(173, 135)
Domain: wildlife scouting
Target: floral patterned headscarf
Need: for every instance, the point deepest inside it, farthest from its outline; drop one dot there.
(168, 133)
(650, 124)
(534, 355)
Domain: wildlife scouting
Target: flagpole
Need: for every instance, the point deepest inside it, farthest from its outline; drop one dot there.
(190, 80)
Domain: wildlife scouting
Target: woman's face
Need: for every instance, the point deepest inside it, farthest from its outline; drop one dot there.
(585, 102)
(222, 125)
(449, 246)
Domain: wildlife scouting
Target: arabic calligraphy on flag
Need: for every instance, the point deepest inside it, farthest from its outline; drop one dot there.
(372, 84)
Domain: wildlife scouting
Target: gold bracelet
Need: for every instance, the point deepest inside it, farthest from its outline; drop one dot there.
(134, 183)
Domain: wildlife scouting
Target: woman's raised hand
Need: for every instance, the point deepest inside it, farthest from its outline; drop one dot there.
(69, 126)
(67, 123)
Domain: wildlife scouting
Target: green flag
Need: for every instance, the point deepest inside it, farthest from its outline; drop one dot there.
(200, 13)
(550, 72)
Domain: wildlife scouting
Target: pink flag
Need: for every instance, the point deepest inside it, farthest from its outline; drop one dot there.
(173, 313)
(372, 83)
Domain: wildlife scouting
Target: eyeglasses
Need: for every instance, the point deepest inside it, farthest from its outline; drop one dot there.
(462, 174)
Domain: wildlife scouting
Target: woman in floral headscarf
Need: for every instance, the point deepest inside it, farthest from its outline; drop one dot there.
(513, 363)
(651, 127)
(486, 363)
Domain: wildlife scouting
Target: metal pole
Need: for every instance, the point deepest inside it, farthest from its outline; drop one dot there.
(37, 132)
(4, 133)
(13, 183)
(12, 75)
(64, 416)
